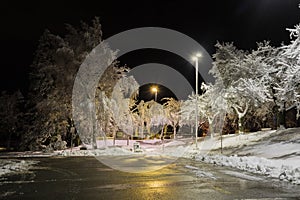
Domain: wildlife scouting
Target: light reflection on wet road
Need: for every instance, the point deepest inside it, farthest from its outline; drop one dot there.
(87, 178)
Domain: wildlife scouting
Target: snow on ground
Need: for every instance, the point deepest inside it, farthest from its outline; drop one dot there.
(201, 173)
(275, 154)
(8, 166)
(175, 148)
(114, 151)
(232, 141)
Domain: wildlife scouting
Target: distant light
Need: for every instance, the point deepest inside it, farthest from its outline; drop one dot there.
(195, 58)
(154, 89)
(198, 55)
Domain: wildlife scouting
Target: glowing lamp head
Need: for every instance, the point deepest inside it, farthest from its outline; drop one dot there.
(154, 89)
(194, 58)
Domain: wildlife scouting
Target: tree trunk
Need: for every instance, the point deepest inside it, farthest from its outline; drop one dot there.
(282, 116)
(174, 131)
(8, 141)
(71, 143)
(136, 131)
(275, 117)
(240, 116)
(241, 127)
(142, 131)
(148, 128)
(162, 133)
(221, 142)
(93, 119)
(162, 138)
(210, 128)
(114, 138)
(94, 140)
(298, 112)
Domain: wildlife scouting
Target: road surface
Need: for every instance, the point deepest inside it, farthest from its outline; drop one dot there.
(87, 178)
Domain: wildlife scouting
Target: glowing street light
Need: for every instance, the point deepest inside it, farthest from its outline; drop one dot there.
(195, 58)
(154, 89)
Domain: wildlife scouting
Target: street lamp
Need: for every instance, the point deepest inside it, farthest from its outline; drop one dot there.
(154, 89)
(195, 58)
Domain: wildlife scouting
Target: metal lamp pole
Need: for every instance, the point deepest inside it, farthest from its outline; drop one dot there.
(154, 89)
(196, 104)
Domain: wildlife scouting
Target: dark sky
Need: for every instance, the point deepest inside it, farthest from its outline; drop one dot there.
(242, 21)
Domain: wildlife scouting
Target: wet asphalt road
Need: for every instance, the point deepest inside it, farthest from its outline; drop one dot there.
(87, 178)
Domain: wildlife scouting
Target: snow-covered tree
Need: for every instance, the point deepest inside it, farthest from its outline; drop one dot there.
(228, 69)
(158, 117)
(227, 66)
(259, 117)
(123, 91)
(287, 89)
(172, 111)
(244, 77)
(212, 105)
(104, 114)
(188, 111)
(245, 94)
(141, 115)
(52, 76)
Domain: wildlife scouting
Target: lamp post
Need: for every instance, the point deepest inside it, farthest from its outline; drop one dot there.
(198, 55)
(154, 89)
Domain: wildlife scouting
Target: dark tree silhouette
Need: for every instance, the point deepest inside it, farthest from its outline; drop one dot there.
(52, 75)
(12, 119)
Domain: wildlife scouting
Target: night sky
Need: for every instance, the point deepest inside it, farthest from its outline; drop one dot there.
(242, 21)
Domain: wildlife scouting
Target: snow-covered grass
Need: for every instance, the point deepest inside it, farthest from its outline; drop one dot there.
(9, 166)
(175, 148)
(233, 141)
(258, 165)
(275, 154)
(113, 151)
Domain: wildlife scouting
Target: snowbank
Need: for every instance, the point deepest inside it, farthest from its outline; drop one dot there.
(258, 165)
(274, 154)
